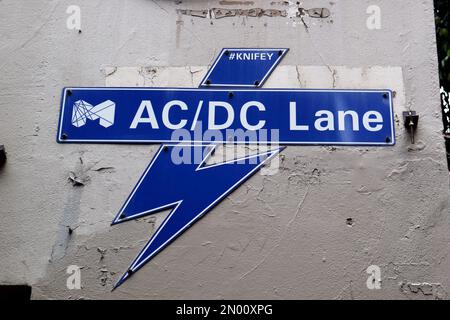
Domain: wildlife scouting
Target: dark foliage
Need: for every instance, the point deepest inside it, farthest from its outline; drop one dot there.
(443, 46)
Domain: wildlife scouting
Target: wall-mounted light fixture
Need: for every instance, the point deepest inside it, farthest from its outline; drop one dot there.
(411, 120)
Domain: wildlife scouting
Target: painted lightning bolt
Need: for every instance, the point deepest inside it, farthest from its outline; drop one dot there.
(190, 190)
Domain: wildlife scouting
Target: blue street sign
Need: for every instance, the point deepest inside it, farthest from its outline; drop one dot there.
(237, 67)
(284, 116)
(212, 116)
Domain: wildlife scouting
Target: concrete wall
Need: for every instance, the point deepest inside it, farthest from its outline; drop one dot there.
(284, 236)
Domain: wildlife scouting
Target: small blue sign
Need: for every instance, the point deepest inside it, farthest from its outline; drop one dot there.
(237, 67)
(242, 116)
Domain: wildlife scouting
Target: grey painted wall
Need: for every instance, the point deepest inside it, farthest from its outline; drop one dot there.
(283, 236)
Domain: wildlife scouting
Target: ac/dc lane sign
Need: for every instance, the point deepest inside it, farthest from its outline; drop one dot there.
(153, 115)
(196, 120)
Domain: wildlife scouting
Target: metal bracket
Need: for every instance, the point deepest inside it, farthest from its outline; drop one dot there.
(411, 120)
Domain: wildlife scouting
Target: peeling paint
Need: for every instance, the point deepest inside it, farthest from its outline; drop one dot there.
(194, 13)
(219, 13)
(424, 288)
(235, 2)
